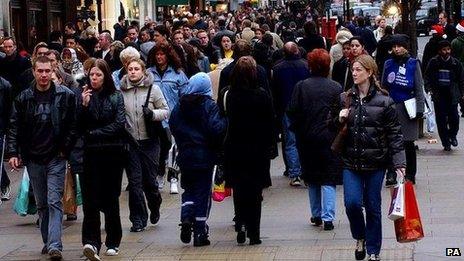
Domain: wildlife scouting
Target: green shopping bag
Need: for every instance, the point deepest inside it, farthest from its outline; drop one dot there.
(22, 206)
(78, 191)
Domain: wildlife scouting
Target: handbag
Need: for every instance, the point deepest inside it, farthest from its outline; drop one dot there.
(154, 128)
(339, 141)
(220, 191)
(397, 203)
(23, 206)
(409, 228)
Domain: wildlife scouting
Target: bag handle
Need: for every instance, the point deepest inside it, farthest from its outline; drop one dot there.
(148, 95)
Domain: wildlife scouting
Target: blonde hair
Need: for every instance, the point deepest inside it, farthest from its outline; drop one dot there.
(128, 54)
(370, 65)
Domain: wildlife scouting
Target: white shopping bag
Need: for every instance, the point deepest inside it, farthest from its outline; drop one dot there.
(397, 203)
(411, 107)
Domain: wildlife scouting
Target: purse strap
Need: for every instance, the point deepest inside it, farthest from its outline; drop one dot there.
(148, 95)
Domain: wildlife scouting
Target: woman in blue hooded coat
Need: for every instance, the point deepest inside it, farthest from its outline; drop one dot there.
(199, 132)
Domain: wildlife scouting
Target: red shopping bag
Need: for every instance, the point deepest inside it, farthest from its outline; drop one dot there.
(409, 228)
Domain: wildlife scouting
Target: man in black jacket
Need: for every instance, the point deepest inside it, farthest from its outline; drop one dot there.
(5, 108)
(444, 78)
(207, 47)
(367, 35)
(13, 65)
(41, 134)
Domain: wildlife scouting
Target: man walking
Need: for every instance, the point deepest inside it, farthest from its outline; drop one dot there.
(41, 134)
(444, 78)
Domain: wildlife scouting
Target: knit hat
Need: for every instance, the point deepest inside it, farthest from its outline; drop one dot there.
(437, 29)
(401, 40)
(443, 44)
(460, 26)
(343, 36)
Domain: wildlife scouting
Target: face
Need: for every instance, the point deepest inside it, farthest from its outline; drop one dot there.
(41, 51)
(356, 48)
(445, 52)
(70, 43)
(43, 73)
(158, 37)
(9, 47)
(103, 42)
(96, 78)
(187, 31)
(441, 19)
(144, 36)
(399, 50)
(68, 30)
(203, 37)
(259, 35)
(132, 34)
(382, 24)
(360, 74)
(53, 60)
(212, 33)
(134, 71)
(67, 56)
(346, 50)
(226, 43)
(178, 38)
(161, 58)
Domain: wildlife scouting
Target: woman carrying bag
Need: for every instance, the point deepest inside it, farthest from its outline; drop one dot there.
(145, 104)
(372, 142)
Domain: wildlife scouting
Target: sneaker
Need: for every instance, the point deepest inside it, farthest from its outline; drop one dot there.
(137, 229)
(255, 241)
(454, 142)
(316, 221)
(185, 232)
(374, 257)
(201, 240)
(360, 252)
(155, 216)
(447, 148)
(112, 251)
(328, 225)
(390, 182)
(71, 217)
(55, 255)
(6, 193)
(174, 189)
(296, 182)
(160, 180)
(91, 252)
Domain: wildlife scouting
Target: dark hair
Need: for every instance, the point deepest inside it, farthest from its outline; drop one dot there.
(241, 48)
(265, 27)
(70, 25)
(133, 27)
(172, 57)
(388, 30)
(360, 20)
(54, 52)
(9, 38)
(221, 22)
(163, 30)
(319, 62)
(148, 30)
(108, 87)
(55, 36)
(40, 59)
(267, 39)
(121, 18)
(75, 38)
(244, 74)
(310, 28)
(359, 39)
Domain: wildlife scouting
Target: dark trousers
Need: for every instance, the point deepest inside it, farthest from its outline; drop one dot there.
(165, 145)
(196, 199)
(143, 163)
(247, 204)
(101, 188)
(447, 118)
(5, 180)
(411, 159)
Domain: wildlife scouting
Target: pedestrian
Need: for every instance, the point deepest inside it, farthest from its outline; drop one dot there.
(373, 142)
(402, 77)
(102, 122)
(362, 31)
(312, 101)
(248, 144)
(120, 28)
(286, 74)
(380, 31)
(444, 78)
(431, 47)
(70, 63)
(143, 161)
(40, 136)
(312, 39)
(5, 109)
(342, 73)
(170, 77)
(336, 51)
(225, 51)
(199, 130)
(384, 47)
(457, 50)
(13, 65)
(125, 56)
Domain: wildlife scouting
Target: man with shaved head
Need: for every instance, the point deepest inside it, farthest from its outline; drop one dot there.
(286, 74)
(104, 41)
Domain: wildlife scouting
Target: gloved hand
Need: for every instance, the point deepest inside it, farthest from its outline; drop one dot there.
(419, 115)
(147, 112)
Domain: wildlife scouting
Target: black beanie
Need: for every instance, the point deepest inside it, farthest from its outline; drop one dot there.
(401, 40)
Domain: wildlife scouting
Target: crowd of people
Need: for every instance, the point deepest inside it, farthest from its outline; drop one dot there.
(222, 89)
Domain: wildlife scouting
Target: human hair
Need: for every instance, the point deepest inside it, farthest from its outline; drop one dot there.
(172, 57)
(359, 39)
(55, 36)
(88, 64)
(241, 48)
(246, 23)
(129, 53)
(147, 30)
(265, 27)
(176, 32)
(133, 27)
(37, 46)
(108, 87)
(370, 65)
(244, 74)
(121, 18)
(54, 52)
(107, 36)
(319, 62)
(267, 39)
(137, 60)
(75, 38)
(40, 59)
(445, 15)
(163, 30)
(310, 28)
(360, 21)
(388, 30)
(9, 38)
(70, 26)
(202, 31)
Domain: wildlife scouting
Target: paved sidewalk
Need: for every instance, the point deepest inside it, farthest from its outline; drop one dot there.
(285, 230)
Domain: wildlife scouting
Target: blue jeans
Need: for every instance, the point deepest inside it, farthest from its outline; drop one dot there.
(47, 182)
(322, 201)
(290, 152)
(364, 187)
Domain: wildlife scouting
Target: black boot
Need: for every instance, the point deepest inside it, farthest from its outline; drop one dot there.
(241, 234)
(201, 240)
(185, 232)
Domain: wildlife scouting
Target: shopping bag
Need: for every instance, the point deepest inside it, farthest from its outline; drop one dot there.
(220, 191)
(78, 191)
(397, 203)
(429, 114)
(69, 196)
(22, 205)
(409, 228)
(411, 108)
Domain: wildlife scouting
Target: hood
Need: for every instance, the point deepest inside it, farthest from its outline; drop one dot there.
(73, 55)
(343, 36)
(199, 84)
(146, 81)
(145, 48)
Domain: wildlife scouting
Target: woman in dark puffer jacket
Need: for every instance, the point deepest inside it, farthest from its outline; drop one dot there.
(372, 144)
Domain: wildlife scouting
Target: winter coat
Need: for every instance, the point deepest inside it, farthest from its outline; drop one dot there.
(457, 48)
(445, 79)
(250, 137)
(409, 127)
(63, 107)
(336, 51)
(384, 47)
(312, 42)
(374, 140)
(341, 73)
(313, 102)
(102, 122)
(117, 77)
(369, 39)
(430, 50)
(197, 125)
(145, 49)
(11, 68)
(5, 104)
(135, 95)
